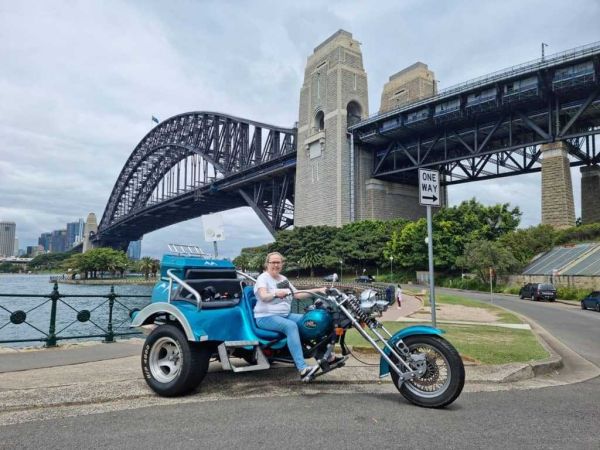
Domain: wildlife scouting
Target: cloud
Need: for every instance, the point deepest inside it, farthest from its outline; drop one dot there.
(80, 80)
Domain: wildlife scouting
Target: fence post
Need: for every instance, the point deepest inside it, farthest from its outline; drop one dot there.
(54, 296)
(110, 336)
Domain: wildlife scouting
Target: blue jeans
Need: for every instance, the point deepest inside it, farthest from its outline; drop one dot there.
(288, 326)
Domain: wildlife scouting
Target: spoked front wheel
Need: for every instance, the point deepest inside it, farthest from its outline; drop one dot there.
(444, 377)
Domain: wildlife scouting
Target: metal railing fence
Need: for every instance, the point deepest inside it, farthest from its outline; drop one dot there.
(100, 318)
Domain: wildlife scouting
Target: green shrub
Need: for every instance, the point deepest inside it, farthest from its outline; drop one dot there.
(571, 293)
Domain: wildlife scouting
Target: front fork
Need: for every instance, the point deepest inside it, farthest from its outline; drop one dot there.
(399, 351)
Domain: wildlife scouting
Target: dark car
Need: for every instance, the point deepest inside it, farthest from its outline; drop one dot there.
(538, 291)
(592, 301)
(365, 279)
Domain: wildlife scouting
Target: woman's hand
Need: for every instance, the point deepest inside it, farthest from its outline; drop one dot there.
(281, 293)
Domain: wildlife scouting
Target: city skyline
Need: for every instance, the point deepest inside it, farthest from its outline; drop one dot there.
(115, 78)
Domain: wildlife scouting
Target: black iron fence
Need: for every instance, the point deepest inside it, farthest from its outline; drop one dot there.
(348, 287)
(66, 316)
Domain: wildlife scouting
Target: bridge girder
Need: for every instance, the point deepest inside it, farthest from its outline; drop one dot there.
(196, 163)
(479, 137)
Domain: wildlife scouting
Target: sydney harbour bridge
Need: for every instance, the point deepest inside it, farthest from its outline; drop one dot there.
(495, 126)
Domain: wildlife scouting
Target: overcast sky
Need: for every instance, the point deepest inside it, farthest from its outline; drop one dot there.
(80, 80)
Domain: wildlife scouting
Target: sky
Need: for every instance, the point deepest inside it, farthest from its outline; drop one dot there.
(80, 81)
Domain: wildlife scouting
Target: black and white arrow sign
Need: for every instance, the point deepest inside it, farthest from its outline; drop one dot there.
(429, 187)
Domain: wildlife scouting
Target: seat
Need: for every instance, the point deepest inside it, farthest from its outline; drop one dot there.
(249, 303)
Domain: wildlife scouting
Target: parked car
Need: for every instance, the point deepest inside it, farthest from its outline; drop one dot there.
(538, 291)
(592, 301)
(331, 278)
(365, 279)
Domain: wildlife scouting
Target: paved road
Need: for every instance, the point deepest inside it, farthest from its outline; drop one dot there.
(564, 417)
(578, 329)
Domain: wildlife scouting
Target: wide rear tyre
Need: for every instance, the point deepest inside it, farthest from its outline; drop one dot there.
(171, 365)
(444, 379)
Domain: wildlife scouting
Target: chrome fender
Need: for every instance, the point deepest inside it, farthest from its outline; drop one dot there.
(384, 367)
(145, 315)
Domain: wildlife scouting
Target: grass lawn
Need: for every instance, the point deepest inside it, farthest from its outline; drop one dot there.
(503, 315)
(484, 344)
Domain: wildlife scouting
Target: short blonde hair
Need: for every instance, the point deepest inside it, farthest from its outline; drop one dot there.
(273, 254)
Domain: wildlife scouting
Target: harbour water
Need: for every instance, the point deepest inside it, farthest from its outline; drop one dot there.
(37, 310)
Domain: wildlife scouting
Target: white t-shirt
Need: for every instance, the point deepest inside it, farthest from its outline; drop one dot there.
(277, 306)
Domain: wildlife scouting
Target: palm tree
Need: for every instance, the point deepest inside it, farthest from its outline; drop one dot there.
(310, 260)
(146, 264)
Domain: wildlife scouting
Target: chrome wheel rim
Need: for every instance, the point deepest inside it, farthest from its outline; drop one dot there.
(165, 360)
(437, 377)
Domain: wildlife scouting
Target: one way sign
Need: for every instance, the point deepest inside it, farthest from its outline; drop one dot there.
(429, 187)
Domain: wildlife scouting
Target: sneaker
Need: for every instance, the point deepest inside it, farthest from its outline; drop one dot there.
(307, 373)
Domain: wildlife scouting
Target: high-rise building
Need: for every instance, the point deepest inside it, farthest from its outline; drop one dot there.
(34, 250)
(7, 238)
(74, 233)
(134, 251)
(58, 241)
(44, 241)
(16, 247)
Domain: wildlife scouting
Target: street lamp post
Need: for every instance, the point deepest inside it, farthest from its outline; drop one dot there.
(341, 270)
(391, 268)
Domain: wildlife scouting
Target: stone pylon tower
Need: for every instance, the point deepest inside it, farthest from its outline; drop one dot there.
(384, 200)
(89, 230)
(557, 191)
(334, 94)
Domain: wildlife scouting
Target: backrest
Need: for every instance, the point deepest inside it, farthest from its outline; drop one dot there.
(228, 292)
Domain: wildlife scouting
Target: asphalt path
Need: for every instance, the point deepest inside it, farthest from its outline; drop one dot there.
(563, 417)
(576, 328)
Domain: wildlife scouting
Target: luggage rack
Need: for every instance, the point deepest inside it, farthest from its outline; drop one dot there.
(187, 250)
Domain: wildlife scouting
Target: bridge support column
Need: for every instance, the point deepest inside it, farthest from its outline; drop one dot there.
(89, 230)
(558, 208)
(590, 194)
(333, 96)
(385, 200)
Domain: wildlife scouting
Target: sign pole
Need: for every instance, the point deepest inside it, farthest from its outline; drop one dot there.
(430, 248)
(491, 285)
(216, 251)
(429, 195)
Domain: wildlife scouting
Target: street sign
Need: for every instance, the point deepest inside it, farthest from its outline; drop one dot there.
(429, 187)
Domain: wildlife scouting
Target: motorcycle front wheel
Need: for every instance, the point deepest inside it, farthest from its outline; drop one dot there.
(444, 378)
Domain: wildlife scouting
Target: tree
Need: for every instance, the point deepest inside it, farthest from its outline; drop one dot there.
(524, 244)
(453, 229)
(480, 256)
(310, 260)
(146, 264)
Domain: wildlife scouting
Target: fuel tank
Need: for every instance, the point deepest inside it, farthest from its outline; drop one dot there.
(315, 324)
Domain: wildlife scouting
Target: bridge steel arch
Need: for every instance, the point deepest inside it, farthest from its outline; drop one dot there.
(197, 163)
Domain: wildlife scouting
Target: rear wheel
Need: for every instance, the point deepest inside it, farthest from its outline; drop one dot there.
(171, 365)
(444, 378)
(598, 306)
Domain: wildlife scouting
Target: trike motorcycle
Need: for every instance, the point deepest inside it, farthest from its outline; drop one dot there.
(202, 309)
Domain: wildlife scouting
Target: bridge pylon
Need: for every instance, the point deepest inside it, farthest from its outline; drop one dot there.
(558, 207)
(334, 95)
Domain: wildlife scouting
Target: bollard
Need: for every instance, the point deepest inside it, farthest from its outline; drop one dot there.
(110, 336)
(54, 296)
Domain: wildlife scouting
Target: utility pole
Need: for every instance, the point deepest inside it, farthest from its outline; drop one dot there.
(543, 55)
